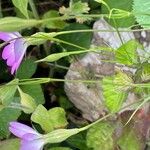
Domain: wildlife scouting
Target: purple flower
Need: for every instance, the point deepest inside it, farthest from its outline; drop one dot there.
(15, 50)
(30, 139)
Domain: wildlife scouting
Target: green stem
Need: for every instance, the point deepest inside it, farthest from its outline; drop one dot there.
(58, 66)
(68, 43)
(84, 15)
(92, 124)
(144, 101)
(36, 16)
(46, 80)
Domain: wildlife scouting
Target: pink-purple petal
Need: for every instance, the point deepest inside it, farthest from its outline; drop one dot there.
(20, 47)
(30, 139)
(32, 145)
(31, 136)
(13, 69)
(15, 51)
(10, 61)
(20, 129)
(7, 36)
(8, 51)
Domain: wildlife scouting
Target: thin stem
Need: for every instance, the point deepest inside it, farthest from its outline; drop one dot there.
(92, 124)
(36, 16)
(58, 66)
(144, 101)
(68, 43)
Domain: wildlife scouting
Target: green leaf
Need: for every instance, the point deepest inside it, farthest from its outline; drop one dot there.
(1, 107)
(27, 102)
(101, 136)
(78, 141)
(129, 140)
(49, 120)
(7, 115)
(10, 24)
(10, 144)
(81, 39)
(41, 116)
(126, 54)
(34, 91)
(7, 92)
(75, 8)
(145, 72)
(22, 6)
(64, 102)
(57, 56)
(27, 69)
(114, 94)
(57, 117)
(121, 4)
(141, 12)
(53, 24)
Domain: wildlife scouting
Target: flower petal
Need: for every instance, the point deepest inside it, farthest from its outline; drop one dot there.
(13, 69)
(8, 53)
(32, 145)
(7, 36)
(31, 137)
(20, 47)
(19, 129)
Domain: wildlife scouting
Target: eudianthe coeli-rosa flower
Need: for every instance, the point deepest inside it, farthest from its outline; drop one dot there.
(14, 51)
(30, 139)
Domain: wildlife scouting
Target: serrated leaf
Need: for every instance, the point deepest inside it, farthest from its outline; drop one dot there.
(144, 54)
(76, 8)
(10, 24)
(113, 95)
(41, 116)
(126, 54)
(27, 102)
(145, 72)
(141, 12)
(7, 92)
(22, 6)
(53, 24)
(34, 91)
(100, 136)
(121, 4)
(7, 115)
(10, 144)
(57, 117)
(27, 69)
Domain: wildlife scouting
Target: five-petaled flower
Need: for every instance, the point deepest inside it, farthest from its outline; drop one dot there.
(15, 50)
(30, 139)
